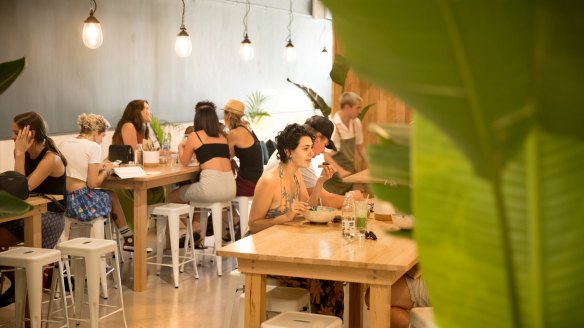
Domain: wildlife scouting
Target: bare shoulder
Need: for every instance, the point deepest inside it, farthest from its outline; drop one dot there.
(128, 127)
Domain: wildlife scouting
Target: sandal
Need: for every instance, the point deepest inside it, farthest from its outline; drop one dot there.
(7, 297)
(196, 237)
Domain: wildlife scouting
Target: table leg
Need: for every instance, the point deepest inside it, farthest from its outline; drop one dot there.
(33, 230)
(255, 299)
(355, 305)
(140, 239)
(380, 303)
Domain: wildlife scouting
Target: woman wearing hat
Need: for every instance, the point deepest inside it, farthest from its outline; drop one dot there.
(243, 144)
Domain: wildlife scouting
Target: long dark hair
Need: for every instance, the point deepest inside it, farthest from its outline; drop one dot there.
(37, 124)
(132, 114)
(206, 119)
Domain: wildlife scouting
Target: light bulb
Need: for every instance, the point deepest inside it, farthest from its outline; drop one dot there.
(183, 46)
(289, 52)
(246, 49)
(92, 34)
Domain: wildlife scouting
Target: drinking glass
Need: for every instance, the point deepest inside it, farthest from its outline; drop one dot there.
(361, 215)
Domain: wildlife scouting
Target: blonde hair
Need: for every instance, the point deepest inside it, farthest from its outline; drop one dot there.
(233, 120)
(349, 98)
(92, 122)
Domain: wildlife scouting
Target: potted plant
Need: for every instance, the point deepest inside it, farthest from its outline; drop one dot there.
(496, 153)
(10, 205)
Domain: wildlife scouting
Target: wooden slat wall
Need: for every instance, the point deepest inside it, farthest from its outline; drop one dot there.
(387, 109)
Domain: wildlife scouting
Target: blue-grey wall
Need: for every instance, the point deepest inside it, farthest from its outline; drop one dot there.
(63, 78)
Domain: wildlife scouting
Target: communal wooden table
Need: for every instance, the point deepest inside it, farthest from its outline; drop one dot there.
(302, 249)
(32, 220)
(156, 177)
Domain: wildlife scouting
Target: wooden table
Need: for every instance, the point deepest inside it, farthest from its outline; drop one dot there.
(306, 250)
(32, 220)
(156, 177)
(363, 177)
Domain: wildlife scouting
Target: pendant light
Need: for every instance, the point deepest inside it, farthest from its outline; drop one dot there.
(92, 34)
(246, 48)
(323, 37)
(289, 51)
(183, 46)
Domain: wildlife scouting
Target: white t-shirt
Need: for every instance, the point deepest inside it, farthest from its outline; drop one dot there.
(79, 153)
(346, 132)
(309, 175)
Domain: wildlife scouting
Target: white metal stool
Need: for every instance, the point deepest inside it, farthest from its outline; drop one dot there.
(280, 299)
(92, 251)
(243, 205)
(93, 229)
(302, 320)
(217, 213)
(29, 263)
(169, 214)
(235, 289)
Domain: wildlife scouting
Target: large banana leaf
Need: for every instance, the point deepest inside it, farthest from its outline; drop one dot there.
(317, 101)
(9, 71)
(496, 173)
(340, 70)
(12, 206)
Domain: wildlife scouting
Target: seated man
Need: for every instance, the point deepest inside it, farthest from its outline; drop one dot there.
(322, 128)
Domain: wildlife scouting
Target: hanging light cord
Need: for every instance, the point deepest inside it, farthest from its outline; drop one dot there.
(182, 22)
(290, 23)
(247, 8)
(93, 9)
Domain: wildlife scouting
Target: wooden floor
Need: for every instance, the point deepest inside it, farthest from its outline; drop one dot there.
(196, 303)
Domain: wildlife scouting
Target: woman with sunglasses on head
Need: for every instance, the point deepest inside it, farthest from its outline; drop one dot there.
(86, 172)
(36, 157)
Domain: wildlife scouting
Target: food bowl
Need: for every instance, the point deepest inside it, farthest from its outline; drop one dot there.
(322, 214)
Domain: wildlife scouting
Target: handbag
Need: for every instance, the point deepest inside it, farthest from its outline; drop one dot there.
(15, 184)
(123, 153)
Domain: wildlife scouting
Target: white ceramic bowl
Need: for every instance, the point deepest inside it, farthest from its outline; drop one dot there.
(323, 214)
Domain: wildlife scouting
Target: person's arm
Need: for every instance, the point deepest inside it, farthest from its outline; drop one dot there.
(185, 148)
(130, 135)
(97, 173)
(23, 142)
(232, 139)
(263, 195)
(361, 152)
(317, 191)
(329, 159)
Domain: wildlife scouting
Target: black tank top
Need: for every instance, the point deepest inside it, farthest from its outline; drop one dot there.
(51, 185)
(211, 150)
(251, 162)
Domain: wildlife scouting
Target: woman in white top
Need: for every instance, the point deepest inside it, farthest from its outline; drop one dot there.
(86, 171)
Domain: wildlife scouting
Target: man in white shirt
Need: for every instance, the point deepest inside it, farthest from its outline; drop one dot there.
(348, 138)
(323, 129)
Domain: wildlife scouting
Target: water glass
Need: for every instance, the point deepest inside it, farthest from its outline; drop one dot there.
(361, 215)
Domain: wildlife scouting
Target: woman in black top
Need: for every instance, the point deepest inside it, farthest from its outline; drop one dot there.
(37, 157)
(243, 144)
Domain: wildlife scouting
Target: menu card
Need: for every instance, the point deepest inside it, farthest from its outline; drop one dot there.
(126, 172)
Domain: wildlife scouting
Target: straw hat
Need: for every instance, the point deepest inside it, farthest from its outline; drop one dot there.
(235, 106)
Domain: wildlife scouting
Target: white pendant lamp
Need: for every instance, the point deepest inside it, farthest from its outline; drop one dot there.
(92, 34)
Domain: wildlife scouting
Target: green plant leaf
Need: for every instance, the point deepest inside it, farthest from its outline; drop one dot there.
(12, 206)
(461, 236)
(254, 104)
(9, 71)
(157, 128)
(340, 70)
(317, 101)
(365, 110)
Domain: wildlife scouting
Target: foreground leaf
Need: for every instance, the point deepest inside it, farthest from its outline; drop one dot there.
(9, 71)
(12, 206)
